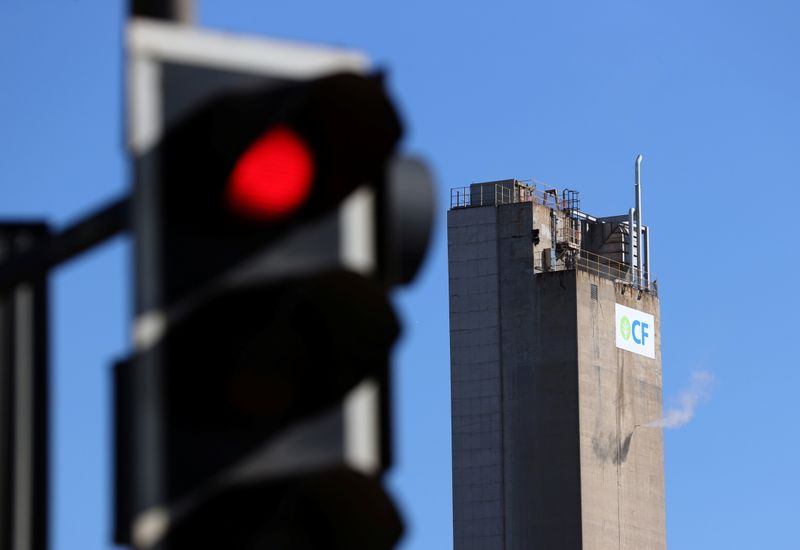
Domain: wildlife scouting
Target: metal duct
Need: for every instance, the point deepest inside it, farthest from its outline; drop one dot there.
(640, 254)
(630, 245)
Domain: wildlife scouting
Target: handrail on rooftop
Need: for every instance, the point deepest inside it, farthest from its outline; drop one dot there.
(601, 266)
(522, 191)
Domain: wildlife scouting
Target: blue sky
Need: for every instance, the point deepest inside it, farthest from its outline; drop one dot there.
(566, 92)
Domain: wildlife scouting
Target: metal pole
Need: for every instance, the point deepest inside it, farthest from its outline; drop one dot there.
(631, 263)
(639, 217)
(23, 399)
(647, 258)
(553, 239)
(70, 242)
(178, 11)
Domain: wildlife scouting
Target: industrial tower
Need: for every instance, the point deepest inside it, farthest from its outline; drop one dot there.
(556, 369)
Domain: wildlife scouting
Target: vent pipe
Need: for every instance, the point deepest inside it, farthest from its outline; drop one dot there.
(647, 259)
(631, 263)
(553, 236)
(640, 254)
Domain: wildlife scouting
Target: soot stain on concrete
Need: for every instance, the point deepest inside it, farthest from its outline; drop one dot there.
(608, 448)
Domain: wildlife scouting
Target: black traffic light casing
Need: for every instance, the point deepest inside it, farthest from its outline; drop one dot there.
(348, 128)
(254, 330)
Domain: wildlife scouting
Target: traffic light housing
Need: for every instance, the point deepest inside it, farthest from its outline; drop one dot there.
(258, 327)
(250, 165)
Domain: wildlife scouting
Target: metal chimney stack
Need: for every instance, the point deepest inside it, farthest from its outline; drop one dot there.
(639, 279)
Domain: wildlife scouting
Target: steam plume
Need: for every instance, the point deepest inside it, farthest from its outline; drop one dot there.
(699, 389)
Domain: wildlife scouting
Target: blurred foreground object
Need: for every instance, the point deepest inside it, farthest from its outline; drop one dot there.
(271, 217)
(23, 394)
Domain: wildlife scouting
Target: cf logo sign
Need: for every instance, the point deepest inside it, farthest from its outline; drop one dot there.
(637, 330)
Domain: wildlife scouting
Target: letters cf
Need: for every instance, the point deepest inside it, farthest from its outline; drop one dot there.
(642, 330)
(629, 330)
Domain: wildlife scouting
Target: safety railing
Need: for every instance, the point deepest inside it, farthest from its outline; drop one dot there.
(499, 193)
(600, 266)
(569, 231)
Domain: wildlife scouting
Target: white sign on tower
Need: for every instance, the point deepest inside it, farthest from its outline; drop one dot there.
(635, 331)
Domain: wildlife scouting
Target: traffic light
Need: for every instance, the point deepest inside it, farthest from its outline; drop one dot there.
(256, 329)
(249, 166)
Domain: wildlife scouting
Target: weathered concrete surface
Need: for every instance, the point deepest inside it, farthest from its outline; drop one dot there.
(540, 393)
(622, 465)
(545, 453)
(475, 379)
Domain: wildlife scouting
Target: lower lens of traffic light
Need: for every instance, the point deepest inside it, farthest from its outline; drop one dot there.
(336, 509)
(247, 365)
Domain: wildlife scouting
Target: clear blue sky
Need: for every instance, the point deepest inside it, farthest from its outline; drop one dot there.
(567, 92)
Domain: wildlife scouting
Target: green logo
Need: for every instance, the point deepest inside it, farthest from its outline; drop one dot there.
(625, 327)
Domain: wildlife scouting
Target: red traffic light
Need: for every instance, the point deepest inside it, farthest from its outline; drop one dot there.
(273, 157)
(273, 178)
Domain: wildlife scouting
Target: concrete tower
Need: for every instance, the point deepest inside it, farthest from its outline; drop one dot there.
(556, 369)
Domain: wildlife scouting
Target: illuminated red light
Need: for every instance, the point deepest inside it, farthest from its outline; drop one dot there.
(272, 179)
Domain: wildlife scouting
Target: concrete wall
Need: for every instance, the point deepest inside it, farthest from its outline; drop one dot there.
(622, 465)
(475, 379)
(545, 450)
(540, 393)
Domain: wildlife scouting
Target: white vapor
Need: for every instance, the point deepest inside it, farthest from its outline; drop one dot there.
(699, 389)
